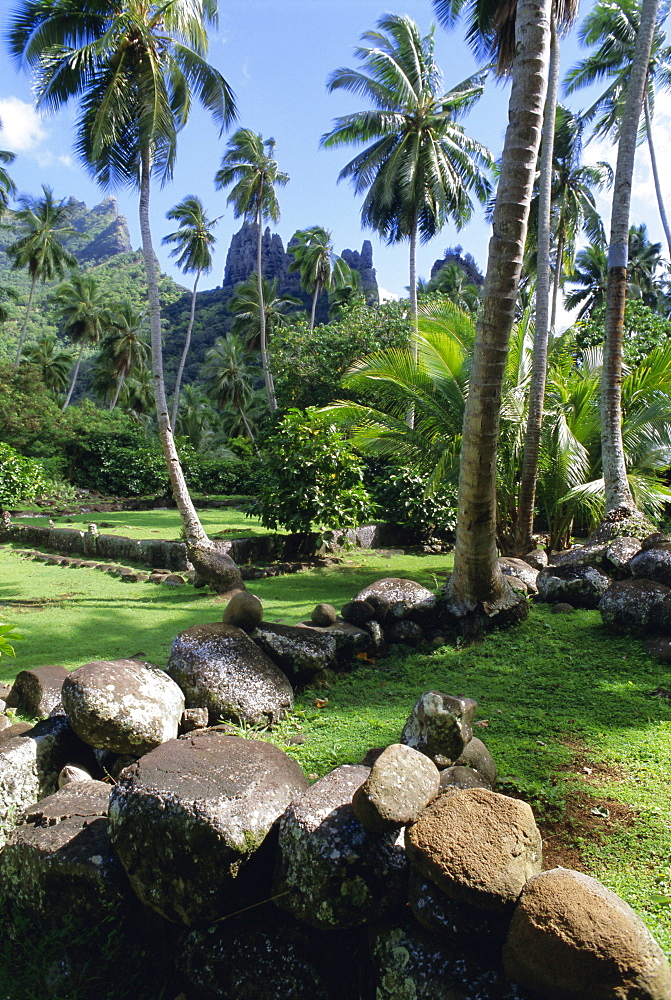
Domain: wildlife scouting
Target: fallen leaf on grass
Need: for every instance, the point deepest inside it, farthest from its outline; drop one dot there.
(483, 723)
(321, 702)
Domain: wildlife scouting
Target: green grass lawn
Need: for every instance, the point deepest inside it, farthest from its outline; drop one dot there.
(566, 707)
(224, 523)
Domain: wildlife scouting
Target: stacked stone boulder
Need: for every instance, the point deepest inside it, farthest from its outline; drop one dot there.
(410, 876)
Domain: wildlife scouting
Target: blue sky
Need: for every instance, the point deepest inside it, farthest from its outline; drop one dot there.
(277, 55)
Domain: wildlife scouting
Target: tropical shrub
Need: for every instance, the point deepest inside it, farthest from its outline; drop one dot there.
(314, 478)
(404, 498)
(644, 329)
(21, 478)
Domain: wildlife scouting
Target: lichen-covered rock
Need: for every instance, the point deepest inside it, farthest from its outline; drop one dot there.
(472, 928)
(571, 938)
(521, 570)
(215, 567)
(411, 963)
(122, 705)
(332, 872)
(300, 653)
(476, 755)
(357, 612)
(583, 586)
(660, 648)
(192, 719)
(593, 554)
(440, 726)
(38, 690)
(633, 606)
(220, 668)
(324, 615)
(653, 564)
(538, 558)
(244, 610)
(405, 631)
(619, 553)
(479, 847)
(406, 599)
(459, 776)
(401, 783)
(190, 822)
(71, 773)
(58, 863)
(349, 639)
(268, 956)
(30, 761)
(656, 540)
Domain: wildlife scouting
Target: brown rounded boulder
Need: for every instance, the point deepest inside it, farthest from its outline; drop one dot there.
(479, 847)
(571, 938)
(401, 783)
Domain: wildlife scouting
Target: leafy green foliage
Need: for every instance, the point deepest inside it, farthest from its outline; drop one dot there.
(405, 499)
(21, 478)
(314, 477)
(8, 635)
(644, 329)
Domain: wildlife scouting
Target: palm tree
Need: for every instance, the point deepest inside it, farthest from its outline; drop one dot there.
(612, 27)
(229, 378)
(125, 348)
(53, 362)
(590, 275)
(320, 267)
(452, 281)
(80, 304)
(249, 164)
(419, 167)
(244, 305)
(134, 67)
(644, 261)
(39, 248)
(7, 185)
(193, 241)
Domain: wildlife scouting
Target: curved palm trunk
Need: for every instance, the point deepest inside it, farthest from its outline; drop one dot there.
(527, 495)
(117, 391)
(187, 344)
(477, 583)
(413, 307)
(313, 314)
(192, 528)
(655, 174)
(557, 275)
(24, 325)
(75, 373)
(265, 360)
(618, 494)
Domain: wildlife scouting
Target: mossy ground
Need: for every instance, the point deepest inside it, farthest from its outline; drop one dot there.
(567, 708)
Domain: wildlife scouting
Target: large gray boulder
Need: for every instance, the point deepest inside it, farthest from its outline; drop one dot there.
(30, 764)
(592, 554)
(122, 705)
(520, 570)
(37, 691)
(410, 963)
(350, 640)
(583, 586)
(402, 599)
(468, 926)
(266, 956)
(58, 863)
(220, 668)
(653, 564)
(215, 567)
(401, 783)
(619, 554)
(479, 847)
(571, 938)
(440, 726)
(300, 653)
(634, 606)
(331, 871)
(189, 821)
(476, 756)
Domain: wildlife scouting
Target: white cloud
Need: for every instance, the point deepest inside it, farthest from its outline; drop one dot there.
(47, 159)
(386, 296)
(22, 128)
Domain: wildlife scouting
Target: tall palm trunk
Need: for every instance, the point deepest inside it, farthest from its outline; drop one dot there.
(75, 373)
(313, 314)
(413, 307)
(117, 391)
(24, 326)
(187, 344)
(477, 582)
(655, 174)
(265, 361)
(527, 495)
(558, 270)
(192, 528)
(618, 493)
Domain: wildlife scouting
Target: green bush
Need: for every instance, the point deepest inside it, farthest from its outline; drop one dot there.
(229, 477)
(21, 479)
(314, 479)
(127, 465)
(401, 496)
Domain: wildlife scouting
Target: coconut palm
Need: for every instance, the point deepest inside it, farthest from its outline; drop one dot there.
(43, 222)
(418, 168)
(85, 319)
(54, 363)
(452, 281)
(125, 348)
(229, 378)
(6, 293)
(643, 266)
(7, 185)
(589, 278)
(244, 305)
(193, 242)
(134, 67)
(612, 27)
(249, 164)
(320, 267)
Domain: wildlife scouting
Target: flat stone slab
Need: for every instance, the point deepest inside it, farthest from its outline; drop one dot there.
(300, 653)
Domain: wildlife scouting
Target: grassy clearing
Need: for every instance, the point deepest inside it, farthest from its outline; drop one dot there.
(566, 708)
(225, 523)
